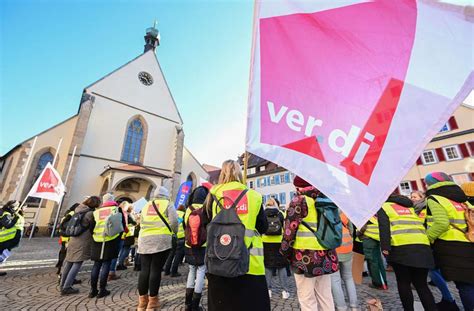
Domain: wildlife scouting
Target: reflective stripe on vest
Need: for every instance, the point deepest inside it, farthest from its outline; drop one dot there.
(7, 234)
(180, 233)
(406, 227)
(247, 210)
(346, 246)
(151, 223)
(372, 230)
(100, 216)
(305, 239)
(455, 213)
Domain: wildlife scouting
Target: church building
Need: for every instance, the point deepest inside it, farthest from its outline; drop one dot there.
(127, 138)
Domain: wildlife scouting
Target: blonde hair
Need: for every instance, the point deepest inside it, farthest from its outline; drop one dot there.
(271, 202)
(230, 172)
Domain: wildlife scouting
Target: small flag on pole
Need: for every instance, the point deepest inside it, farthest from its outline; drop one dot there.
(48, 186)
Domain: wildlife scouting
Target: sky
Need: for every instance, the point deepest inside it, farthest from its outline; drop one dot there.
(50, 50)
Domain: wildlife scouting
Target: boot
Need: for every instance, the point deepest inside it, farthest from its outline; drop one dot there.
(142, 302)
(188, 299)
(196, 301)
(153, 303)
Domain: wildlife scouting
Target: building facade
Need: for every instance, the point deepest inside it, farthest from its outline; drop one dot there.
(450, 151)
(127, 138)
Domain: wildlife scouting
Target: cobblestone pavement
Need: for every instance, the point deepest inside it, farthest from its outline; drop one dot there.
(31, 284)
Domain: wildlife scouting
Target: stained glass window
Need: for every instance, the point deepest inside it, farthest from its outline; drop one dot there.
(133, 142)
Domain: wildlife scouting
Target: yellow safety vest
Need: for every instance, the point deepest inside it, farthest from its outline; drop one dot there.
(180, 233)
(455, 213)
(63, 238)
(7, 234)
(100, 217)
(186, 219)
(20, 223)
(406, 227)
(272, 238)
(305, 239)
(372, 230)
(247, 210)
(151, 223)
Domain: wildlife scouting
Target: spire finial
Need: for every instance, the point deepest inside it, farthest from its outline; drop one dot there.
(155, 23)
(152, 37)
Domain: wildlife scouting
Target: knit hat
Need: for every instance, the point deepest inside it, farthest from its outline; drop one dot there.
(163, 192)
(108, 197)
(299, 182)
(199, 195)
(468, 188)
(436, 177)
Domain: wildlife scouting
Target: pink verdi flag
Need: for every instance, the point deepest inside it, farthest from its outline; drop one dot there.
(347, 93)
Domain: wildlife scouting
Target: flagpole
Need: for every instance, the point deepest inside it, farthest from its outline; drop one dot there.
(62, 199)
(41, 201)
(26, 167)
(246, 164)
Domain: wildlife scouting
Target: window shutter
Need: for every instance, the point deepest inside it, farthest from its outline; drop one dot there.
(419, 161)
(440, 154)
(471, 147)
(464, 151)
(423, 184)
(453, 125)
(413, 184)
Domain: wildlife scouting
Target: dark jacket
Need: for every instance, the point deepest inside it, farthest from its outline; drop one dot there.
(130, 240)
(455, 259)
(111, 248)
(311, 263)
(413, 255)
(271, 251)
(79, 247)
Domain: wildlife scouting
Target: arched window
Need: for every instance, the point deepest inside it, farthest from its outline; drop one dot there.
(134, 141)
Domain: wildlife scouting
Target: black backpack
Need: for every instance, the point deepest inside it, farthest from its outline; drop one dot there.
(73, 226)
(226, 253)
(274, 224)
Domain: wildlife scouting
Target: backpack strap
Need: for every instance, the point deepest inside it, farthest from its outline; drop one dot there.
(162, 218)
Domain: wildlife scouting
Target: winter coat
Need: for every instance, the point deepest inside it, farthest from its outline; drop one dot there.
(111, 248)
(413, 255)
(79, 247)
(311, 263)
(271, 251)
(455, 259)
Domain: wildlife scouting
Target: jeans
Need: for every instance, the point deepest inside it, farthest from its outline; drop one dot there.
(69, 274)
(281, 275)
(113, 264)
(124, 252)
(100, 268)
(441, 284)
(466, 293)
(345, 272)
(196, 276)
(175, 258)
(375, 262)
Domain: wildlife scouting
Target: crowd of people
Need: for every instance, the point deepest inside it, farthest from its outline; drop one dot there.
(245, 248)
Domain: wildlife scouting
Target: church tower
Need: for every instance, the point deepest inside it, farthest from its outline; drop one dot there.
(152, 38)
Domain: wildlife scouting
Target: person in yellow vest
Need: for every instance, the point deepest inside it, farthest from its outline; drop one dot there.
(128, 238)
(104, 248)
(195, 248)
(64, 240)
(453, 252)
(158, 224)
(273, 260)
(311, 263)
(344, 253)
(249, 291)
(175, 258)
(11, 229)
(404, 243)
(370, 236)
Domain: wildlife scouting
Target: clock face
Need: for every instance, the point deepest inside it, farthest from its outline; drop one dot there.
(145, 78)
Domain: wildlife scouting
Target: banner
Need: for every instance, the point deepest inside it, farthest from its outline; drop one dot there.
(48, 186)
(183, 193)
(346, 94)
